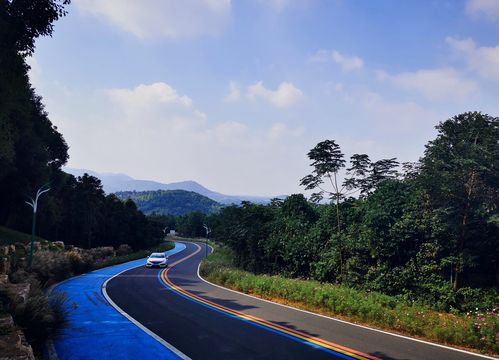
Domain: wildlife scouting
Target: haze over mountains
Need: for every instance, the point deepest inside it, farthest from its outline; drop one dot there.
(113, 183)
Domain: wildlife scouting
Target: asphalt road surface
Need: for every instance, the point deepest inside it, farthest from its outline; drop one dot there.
(204, 321)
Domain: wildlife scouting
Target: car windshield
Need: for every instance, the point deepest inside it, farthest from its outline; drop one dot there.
(157, 256)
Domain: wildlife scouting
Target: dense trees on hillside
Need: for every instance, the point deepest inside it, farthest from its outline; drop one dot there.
(431, 233)
(32, 150)
(170, 202)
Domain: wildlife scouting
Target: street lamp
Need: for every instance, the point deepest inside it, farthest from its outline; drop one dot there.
(208, 231)
(34, 204)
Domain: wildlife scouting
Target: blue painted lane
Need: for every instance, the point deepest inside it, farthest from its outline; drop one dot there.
(97, 330)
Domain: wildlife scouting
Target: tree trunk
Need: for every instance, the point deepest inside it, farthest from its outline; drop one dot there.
(470, 189)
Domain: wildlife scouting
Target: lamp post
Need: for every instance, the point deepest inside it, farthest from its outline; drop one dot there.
(34, 204)
(208, 231)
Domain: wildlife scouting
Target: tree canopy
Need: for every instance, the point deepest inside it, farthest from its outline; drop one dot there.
(430, 234)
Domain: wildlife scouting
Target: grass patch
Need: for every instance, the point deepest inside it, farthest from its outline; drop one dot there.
(9, 237)
(477, 330)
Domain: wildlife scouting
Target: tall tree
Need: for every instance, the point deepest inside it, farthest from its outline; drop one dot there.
(25, 20)
(460, 172)
(89, 202)
(327, 161)
(380, 171)
(359, 172)
(31, 148)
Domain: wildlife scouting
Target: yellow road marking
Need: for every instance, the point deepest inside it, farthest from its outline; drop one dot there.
(297, 334)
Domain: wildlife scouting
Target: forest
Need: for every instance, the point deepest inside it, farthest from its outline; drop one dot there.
(32, 151)
(425, 231)
(169, 202)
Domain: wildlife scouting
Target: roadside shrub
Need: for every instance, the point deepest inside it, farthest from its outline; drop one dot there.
(101, 252)
(477, 328)
(81, 262)
(40, 318)
(51, 267)
(123, 249)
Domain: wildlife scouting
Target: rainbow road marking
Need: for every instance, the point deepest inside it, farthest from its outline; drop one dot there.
(318, 343)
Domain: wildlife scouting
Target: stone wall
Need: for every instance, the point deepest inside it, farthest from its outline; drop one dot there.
(13, 344)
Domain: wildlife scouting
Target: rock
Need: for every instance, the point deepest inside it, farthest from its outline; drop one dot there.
(4, 279)
(4, 250)
(13, 345)
(77, 250)
(21, 292)
(6, 322)
(58, 244)
(4, 265)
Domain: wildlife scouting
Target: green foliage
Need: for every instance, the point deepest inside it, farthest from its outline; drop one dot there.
(24, 24)
(170, 202)
(245, 230)
(41, 318)
(460, 174)
(327, 161)
(192, 225)
(32, 151)
(430, 236)
(475, 329)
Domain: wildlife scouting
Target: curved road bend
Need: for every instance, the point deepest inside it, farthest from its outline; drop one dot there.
(207, 322)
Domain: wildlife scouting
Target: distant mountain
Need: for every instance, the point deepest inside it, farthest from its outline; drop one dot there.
(113, 183)
(170, 202)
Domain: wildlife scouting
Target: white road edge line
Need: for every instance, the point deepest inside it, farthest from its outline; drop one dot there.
(345, 322)
(138, 324)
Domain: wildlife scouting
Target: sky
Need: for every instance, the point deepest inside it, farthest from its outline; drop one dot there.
(233, 94)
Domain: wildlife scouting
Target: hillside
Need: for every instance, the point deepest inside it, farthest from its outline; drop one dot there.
(113, 183)
(10, 236)
(173, 202)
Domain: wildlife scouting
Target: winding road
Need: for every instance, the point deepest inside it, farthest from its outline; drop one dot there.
(200, 320)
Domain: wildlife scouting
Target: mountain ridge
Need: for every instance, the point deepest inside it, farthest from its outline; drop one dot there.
(116, 182)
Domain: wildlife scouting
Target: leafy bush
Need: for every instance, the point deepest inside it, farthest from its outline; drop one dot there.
(475, 329)
(39, 317)
(51, 266)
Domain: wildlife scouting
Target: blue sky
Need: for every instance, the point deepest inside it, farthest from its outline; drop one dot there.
(233, 94)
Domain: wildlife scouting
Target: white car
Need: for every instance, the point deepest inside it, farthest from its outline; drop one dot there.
(157, 259)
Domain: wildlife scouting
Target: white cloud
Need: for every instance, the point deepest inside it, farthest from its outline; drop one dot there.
(347, 63)
(434, 84)
(157, 106)
(152, 131)
(286, 94)
(234, 92)
(280, 130)
(145, 95)
(161, 18)
(484, 60)
(486, 8)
